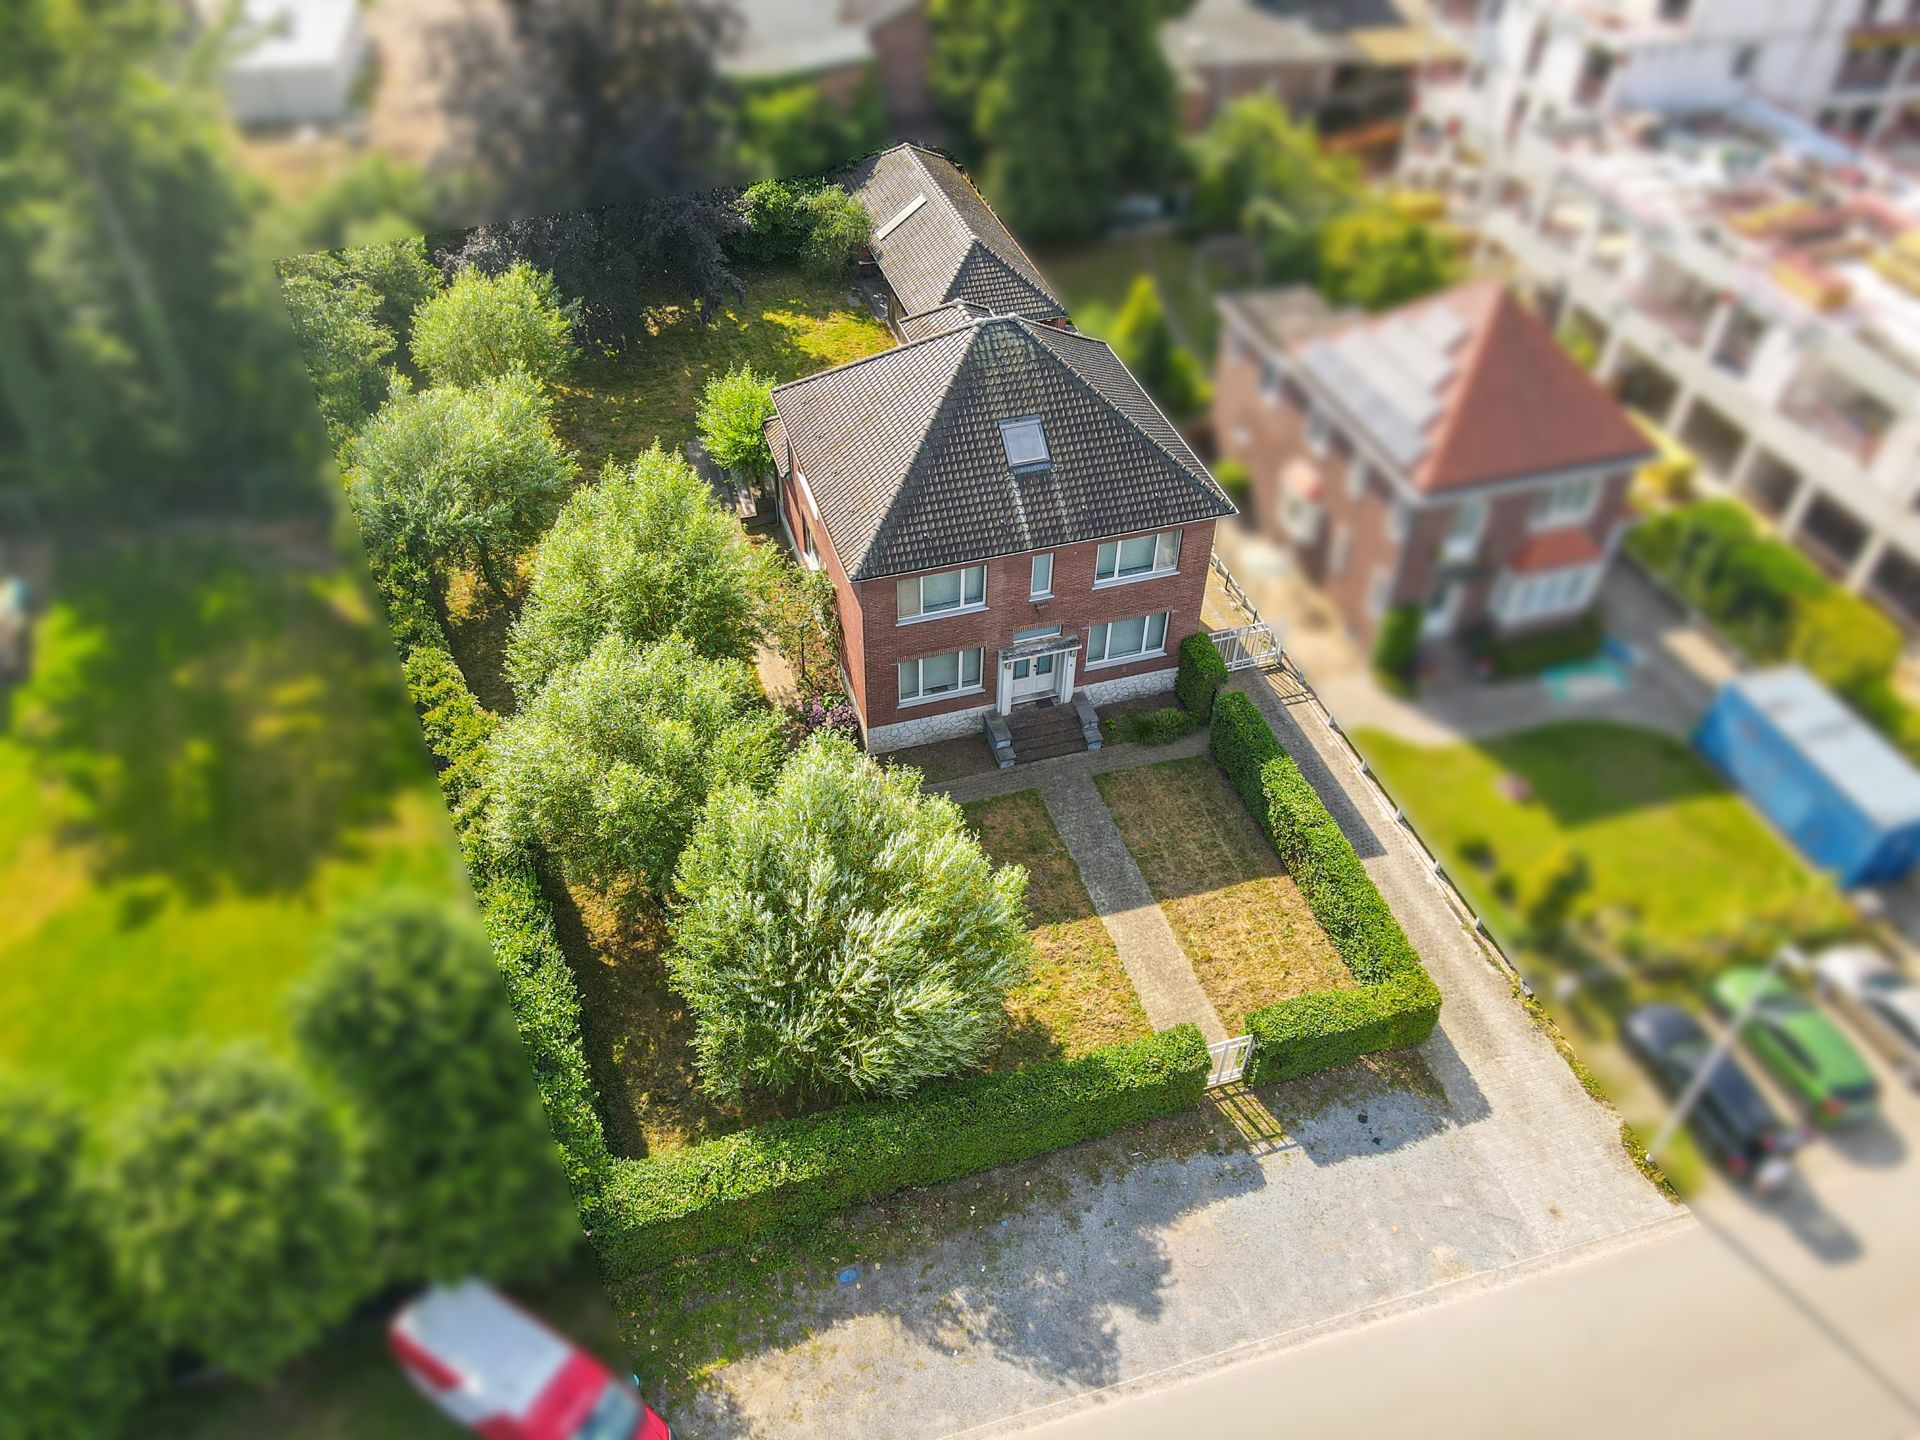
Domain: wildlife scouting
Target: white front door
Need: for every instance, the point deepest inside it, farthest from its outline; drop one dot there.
(1036, 677)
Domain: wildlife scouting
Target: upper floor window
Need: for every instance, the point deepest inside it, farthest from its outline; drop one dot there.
(1025, 443)
(1567, 503)
(1137, 559)
(1318, 431)
(925, 596)
(1042, 582)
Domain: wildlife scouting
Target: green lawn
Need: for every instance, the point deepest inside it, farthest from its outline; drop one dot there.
(786, 326)
(1078, 997)
(1093, 280)
(1673, 856)
(212, 752)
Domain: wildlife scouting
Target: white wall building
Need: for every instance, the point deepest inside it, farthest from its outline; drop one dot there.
(294, 62)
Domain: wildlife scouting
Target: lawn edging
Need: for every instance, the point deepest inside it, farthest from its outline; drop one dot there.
(792, 1173)
(1396, 1004)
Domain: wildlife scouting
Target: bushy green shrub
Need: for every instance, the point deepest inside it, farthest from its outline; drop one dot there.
(795, 1172)
(1153, 727)
(1236, 480)
(1510, 657)
(483, 327)
(734, 410)
(1396, 647)
(1396, 1003)
(1201, 674)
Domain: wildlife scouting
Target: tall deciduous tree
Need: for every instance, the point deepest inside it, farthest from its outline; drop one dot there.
(642, 554)
(1077, 110)
(484, 326)
(233, 1206)
(1143, 339)
(734, 410)
(610, 763)
(1259, 171)
(406, 1014)
(451, 476)
(842, 934)
(341, 339)
(76, 1361)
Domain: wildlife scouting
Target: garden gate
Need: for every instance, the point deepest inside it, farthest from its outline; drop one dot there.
(1228, 1060)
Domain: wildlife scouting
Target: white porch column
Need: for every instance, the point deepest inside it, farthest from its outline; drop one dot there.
(1003, 697)
(1067, 668)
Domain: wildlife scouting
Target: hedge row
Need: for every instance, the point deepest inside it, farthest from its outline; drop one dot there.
(518, 919)
(1396, 1003)
(1201, 674)
(791, 1173)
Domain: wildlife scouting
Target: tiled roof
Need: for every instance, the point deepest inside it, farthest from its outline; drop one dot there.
(1555, 550)
(940, 319)
(950, 245)
(1469, 387)
(776, 434)
(904, 456)
(1281, 316)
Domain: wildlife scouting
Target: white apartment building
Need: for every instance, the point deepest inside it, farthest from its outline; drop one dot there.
(1853, 66)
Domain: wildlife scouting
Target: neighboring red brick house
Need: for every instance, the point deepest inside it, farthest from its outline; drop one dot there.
(838, 45)
(1006, 518)
(1446, 454)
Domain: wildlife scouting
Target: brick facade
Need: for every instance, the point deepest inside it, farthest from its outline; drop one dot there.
(1259, 419)
(872, 644)
(903, 54)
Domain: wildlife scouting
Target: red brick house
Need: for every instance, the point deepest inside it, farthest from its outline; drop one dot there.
(1446, 454)
(1007, 519)
(839, 45)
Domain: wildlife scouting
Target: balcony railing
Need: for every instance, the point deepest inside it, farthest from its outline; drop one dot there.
(1689, 322)
(1834, 424)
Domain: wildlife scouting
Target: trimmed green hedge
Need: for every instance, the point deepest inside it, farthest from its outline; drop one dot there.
(1396, 648)
(1202, 672)
(796, 1172)
(1396, 1003)
(513, 907)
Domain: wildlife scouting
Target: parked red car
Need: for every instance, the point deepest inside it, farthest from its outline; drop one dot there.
(493, 1368)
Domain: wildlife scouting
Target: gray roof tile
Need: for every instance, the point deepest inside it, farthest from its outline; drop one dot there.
(903, 455)
(953, 247)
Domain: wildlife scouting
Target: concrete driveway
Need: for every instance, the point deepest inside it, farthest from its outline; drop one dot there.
(1021, 1294)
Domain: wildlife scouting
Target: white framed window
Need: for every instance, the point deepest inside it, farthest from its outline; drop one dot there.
(1338, 551)
(1318, 430)
(1464, 526)
(1041, 584)
(1379, 590)
(1300, 518)
(1025, 442)
(951, 591)
(1399, 520)
(1117, 641)
(1359, 473)
(933, 677)
(1566, 503)
(1270, 383)
(1520, 598)
(1144, 557)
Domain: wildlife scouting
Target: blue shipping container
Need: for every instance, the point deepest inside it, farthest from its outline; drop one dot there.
(1819, 772)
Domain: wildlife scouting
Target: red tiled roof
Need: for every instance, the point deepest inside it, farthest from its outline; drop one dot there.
(1555, 550)
(1514, 403)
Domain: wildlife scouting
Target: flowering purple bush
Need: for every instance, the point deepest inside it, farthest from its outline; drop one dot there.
(831, 712)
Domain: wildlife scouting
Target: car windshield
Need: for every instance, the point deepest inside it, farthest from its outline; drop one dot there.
(615, 1415)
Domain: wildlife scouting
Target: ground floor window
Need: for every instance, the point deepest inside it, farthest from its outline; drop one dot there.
(934, 675)
(1518, 598)
(1119, 640)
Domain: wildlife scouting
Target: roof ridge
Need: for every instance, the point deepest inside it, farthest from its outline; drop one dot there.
(1115, 410)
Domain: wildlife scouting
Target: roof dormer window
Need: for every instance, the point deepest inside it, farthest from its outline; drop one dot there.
(1025, 443)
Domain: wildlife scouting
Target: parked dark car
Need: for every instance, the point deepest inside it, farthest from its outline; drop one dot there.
(1731, 1119)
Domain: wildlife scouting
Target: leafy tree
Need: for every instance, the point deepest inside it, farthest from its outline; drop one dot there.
(734, 410)
(573, 104)
(450, 476)
(1143, 339)
(804, 617)
(407, 1017)
(483, 326)
(642, 554)
(622, 261)
(376, 200)
(837, 226)
(1377, 259)
(842, 934)
(143, 351)
(609, 764)
(401, 277)
(231, 1200)
(76, 1362)
(1843, 639)
(1576, 337)
(345, 346)
(800, 130)
(1258, 171)
(967, 47)
(1077, 110)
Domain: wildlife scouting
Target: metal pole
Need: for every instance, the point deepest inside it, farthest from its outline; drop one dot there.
(1785, 955)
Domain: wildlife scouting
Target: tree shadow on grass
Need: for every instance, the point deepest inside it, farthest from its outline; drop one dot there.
(225, 722)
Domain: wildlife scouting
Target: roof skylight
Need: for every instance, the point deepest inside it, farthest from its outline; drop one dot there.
(905, 210)
(1025, 442)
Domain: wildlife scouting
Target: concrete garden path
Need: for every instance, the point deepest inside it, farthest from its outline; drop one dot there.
(1162, 975)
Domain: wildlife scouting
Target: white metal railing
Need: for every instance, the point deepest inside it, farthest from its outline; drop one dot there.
(1251, 647)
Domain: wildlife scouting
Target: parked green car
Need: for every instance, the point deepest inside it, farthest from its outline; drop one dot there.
(1799, 1046)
